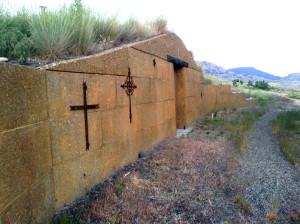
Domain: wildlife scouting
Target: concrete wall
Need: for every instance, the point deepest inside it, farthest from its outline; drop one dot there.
(26, 177)
(43, 157)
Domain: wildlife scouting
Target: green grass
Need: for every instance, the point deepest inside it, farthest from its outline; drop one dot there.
(65, 219)
(234, 129)
(210, 79)
(294, 96)
(286, 127)
(72, 30)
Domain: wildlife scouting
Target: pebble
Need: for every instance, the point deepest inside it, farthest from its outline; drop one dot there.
(2, 59)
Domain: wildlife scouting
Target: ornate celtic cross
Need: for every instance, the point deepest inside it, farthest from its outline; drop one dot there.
(129, 87)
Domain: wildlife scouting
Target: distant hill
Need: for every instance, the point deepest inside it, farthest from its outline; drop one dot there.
(211, 68)
(227, 75)
(253, 72)
(292, 77)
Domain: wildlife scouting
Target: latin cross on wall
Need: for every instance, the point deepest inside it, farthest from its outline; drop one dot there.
(85, 107)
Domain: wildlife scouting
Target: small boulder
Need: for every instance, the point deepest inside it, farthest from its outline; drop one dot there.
(2, 59)
(142, 154)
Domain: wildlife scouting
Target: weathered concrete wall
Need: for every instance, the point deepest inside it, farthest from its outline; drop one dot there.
(25, 154)
(114, 140)
(43, 157)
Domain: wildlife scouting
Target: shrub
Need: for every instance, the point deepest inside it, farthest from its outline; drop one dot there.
(250, 83)
(14, 33)
(234, 82)
(262, 85)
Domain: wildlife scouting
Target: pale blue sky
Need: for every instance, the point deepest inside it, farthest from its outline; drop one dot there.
(264, 34)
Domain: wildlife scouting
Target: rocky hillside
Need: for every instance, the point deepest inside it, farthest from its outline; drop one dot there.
(211, 68)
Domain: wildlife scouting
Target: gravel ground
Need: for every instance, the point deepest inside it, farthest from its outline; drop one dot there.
(268, 172)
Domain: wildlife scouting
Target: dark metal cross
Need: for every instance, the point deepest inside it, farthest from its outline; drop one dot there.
(129, 86)
(85, 107)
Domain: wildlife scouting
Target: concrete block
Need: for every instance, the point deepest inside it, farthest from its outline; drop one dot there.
(23, 96)
(66, 89)
(68, 136)
(74, 178)
(112, 62)
(35, 205)
(25, 159)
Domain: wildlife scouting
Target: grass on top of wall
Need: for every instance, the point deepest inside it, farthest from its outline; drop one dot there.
(70, 31)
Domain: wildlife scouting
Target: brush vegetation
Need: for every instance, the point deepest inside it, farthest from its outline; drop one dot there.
(70, 31)
(231, 123)
(286, 127)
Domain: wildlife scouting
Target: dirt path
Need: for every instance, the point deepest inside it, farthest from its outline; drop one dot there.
(274, 183)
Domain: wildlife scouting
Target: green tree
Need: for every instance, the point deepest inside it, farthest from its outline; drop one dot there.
(262, 85)
(234, 82)
(250, 83)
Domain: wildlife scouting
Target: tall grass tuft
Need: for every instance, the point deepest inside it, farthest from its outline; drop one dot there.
(71, 30)
(82, 21)
(131, 30)
(160, 25)
(107, 29)
(51, 34)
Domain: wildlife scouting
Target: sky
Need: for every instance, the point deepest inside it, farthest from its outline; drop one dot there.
(264, 34)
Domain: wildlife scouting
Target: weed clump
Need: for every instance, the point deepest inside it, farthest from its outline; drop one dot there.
(243, 204)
